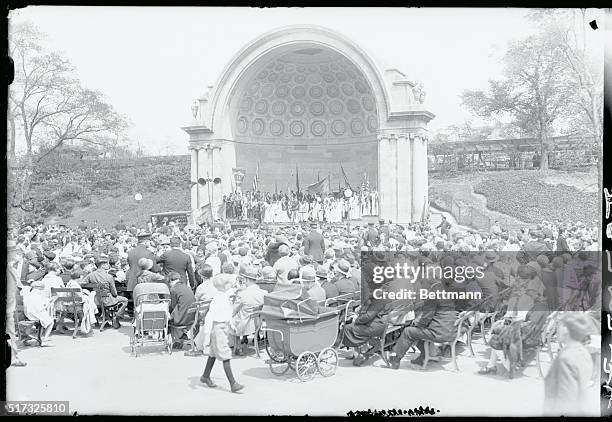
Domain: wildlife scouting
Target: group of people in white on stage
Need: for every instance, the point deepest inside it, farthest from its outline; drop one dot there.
(298, 207)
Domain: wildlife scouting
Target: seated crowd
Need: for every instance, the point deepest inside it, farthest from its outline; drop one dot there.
(543, 269)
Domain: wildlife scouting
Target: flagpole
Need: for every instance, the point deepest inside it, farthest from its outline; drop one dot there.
(297, 178)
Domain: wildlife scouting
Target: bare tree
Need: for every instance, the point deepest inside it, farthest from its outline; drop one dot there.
(49, 102)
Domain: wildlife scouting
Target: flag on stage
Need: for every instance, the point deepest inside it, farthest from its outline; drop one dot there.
(322, 186)
(203, 215)
(345, 177)
(256, 179)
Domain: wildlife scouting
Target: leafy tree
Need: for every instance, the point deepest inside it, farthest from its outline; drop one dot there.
(534, 92)
(582, 58)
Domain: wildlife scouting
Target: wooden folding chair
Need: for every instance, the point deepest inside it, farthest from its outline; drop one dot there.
(70, 303)
(254, 314)
(107, 313)
(24, 326)
(201, 309)
(187, 328)
(459, 323)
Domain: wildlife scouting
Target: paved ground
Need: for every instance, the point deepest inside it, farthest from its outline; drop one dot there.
(98, 376)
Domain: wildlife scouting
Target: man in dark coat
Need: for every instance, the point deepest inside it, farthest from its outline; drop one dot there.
(373, 317)
(383, 228)
(371, 237)
(181, 299)
(314, 244)
(175, 260)
(273, 254)
(134, 255)
(330, 288)
(562, 241)
(434, 322)
(536, 243)
(444, 226)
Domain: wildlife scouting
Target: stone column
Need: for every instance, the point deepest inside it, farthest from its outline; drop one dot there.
(194, 178)
(404, 175)
(419, 161)
(402, 172)
(421, 191)
(387, 157)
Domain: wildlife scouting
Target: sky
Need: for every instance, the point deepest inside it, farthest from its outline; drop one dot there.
(151, 63)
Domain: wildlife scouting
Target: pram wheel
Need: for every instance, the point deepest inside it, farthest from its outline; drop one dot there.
(306, 366)
(327, 362)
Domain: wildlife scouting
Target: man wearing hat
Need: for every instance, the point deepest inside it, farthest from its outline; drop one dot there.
(134, 255)
(314, 244)
(444, 226)
(175, 260)
(491, 281)
(371, 236)
(562, 241)
(181, 300)
(536, 244)
(248, 300)
(273, 254)
(330, 288)
(108, 291)
(383, 228)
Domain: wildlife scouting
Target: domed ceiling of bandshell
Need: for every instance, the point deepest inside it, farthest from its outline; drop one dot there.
(309, 93)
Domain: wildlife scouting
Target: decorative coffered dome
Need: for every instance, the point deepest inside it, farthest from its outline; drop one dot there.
(309, 93)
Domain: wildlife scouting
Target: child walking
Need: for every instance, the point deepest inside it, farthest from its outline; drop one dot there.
(216, 327)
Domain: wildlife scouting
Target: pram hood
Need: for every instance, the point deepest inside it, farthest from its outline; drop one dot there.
(292, 302)
(150, 288)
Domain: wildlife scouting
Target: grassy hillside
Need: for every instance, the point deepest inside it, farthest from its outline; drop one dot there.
(67, 190)
(526, 197)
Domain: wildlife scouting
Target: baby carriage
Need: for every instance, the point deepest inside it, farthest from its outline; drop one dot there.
(300, 334)
(151, 315)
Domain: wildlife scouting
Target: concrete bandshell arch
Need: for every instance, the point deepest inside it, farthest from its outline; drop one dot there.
(402, 123)
(277, 42)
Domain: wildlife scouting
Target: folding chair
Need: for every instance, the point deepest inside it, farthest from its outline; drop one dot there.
(185, 328)
(70, 303)
(459, 323)
(24, 326)
(200, 309)
(254, 314)
(107, 313)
